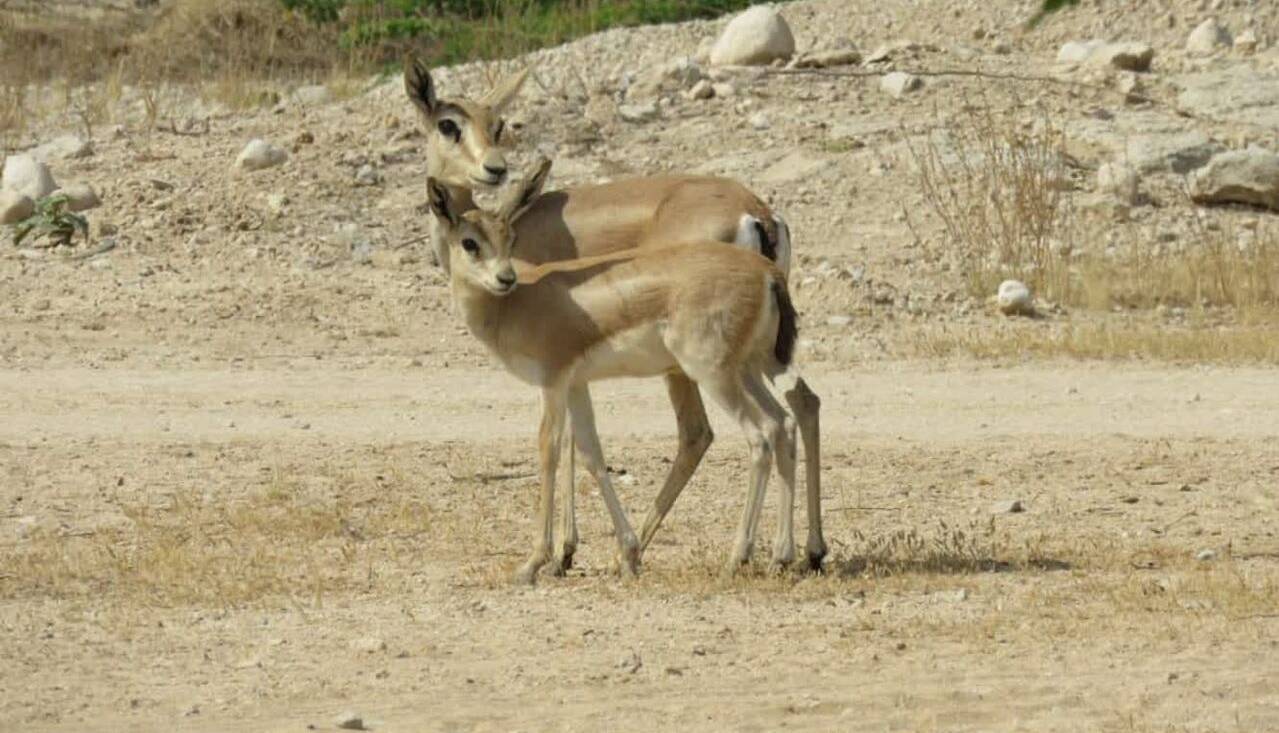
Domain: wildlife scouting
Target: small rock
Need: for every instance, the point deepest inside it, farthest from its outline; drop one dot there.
(67, 147)
(26, 175)
(276, 202)
(14, 207)
(637, 112)
(1118, 180)
(1014, 298)
(760, 121)
(80, 197)
(1208, 38)
(898, 83)
(1238, 176)
(1206, 555)
(839, 321)
(1246, 42)
(350, 721)
(367, 175)
(824, 59)
(368, 645)
(631, 662)
(1125, 56)
(757, 36)
(1007, 507)
(259, 155)
(312, 95)
(703, 89)
(724, 89)
(888, 51)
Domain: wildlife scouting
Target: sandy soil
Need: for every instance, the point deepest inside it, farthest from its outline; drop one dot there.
(1126, 474)
(254, 475)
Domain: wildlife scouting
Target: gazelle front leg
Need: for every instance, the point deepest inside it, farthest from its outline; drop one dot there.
(588, 442)
(548, 445)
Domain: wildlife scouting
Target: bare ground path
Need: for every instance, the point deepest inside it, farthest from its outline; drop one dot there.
(1101, 619)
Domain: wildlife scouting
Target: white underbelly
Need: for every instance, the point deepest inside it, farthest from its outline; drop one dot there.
(526, 370)
(638, 352)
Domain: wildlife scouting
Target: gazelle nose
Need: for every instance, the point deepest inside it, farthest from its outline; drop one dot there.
(507, 279)
(498, 172)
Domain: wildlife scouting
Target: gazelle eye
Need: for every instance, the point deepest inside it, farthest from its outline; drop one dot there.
(449, 128)
(470, 246)
(497, 134)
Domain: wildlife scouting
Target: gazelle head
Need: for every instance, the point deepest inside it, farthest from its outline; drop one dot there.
(464, 137)
(480, 243)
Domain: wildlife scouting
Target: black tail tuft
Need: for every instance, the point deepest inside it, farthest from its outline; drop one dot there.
(787, 328)
(767, 246)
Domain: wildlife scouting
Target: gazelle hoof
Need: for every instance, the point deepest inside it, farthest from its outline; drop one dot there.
(564, 561)
(527, 573)
(815, 560)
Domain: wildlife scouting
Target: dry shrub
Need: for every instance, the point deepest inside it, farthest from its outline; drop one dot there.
(1002, 192)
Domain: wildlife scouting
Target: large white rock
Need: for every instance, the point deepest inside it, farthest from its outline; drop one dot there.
(1239, 176)
(66, 147)
(80, 197)
(14, 207)
(260, 154)
(899, 83)
(26, 175)
(1208, 38)
(1119, 181)
(1129, 56)
(1014, 298)
(757, 36)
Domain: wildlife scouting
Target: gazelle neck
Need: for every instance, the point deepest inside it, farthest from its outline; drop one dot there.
(481, 310)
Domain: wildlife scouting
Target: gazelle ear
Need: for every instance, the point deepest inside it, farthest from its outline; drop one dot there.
(419, 86)
(523, 196)
(441, 201)
(501, 95)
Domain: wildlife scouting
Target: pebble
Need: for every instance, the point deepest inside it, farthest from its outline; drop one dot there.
(760, 121)
(80, 197)
(703, 89)
(67, 147)
(14, 207)
(898, 83)
(26, 175)
(1206, 555)
(1013, 506)
(259, 154)
(350, 721)
(1208, 38)
(1014, 299)
(637, 112)
(367, 175)
(839, 321)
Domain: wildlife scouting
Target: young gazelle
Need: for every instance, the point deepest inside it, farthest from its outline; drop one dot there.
(715, 313)
(464, 140)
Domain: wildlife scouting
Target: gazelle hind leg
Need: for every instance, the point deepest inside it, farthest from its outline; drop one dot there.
(694, 439)
(784, 452)
(806, 406)
(567, 546)
(588, 442)
(548, 444)
(731, 394)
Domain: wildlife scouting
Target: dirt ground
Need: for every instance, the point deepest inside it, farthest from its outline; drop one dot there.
(1092, 614)
(254, 475)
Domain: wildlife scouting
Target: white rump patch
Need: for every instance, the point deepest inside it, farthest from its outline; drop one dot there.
(748, 234)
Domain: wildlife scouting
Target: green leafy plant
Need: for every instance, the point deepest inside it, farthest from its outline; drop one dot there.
(52, 219)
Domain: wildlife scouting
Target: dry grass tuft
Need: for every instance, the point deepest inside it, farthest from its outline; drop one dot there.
(1255, 344)
(277, 543)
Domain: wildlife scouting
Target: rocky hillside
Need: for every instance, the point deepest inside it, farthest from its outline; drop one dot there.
(324, 250)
